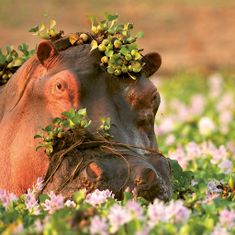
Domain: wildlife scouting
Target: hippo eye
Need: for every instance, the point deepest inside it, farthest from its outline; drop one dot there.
(58, 86)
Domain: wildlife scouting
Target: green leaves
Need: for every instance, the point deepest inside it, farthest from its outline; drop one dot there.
(181, 180)
(44, 32)
(105, 126)
(59, 126)
(116, 42)
(11, 60)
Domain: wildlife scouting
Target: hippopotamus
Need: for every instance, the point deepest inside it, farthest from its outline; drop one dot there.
(54, 81)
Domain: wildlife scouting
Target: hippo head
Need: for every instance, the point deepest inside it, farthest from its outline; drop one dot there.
(55, 81)
(131, 160)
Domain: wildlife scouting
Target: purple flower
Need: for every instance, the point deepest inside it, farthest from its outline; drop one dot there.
(226, 166)
(39, 184)
(98, 197)
(212, 186)
(177, 212)
(31, 202)
(174, 212)
(135, 209)
(213, 190)
(55, 202)
(227, 218)
(156, 212)
(98, 226)
(7, 198)
(118, 216)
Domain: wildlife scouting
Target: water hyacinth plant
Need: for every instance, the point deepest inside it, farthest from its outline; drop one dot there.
(121, 53)
(203, 175)
(12, 59)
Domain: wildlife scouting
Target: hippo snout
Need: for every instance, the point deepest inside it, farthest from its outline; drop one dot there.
(142, 180)
(145, 176)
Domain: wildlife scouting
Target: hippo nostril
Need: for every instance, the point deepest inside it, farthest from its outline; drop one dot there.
(93, 170)
(146, 176)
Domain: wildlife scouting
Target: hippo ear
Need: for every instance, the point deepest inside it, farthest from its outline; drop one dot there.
(46, 52)
(152, 63)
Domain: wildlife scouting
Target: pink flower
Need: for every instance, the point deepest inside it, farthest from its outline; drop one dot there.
(218, 154)
(213, 190)
(38, 226)
(144, 231)
(98, 197)
(219, 231)
(180, 156)
(225, 102)
(170, 139)
(31, 202)
(183, 113)
(227, 218)
(156, 212)
(197, 105)
(118, 216)
(177, 212)
(7, 198)
(55, 202)
(39, 184)
(226, 166)
(70, 203)
(135, 209)
(212, 186)
(215, 83)
(231, 149)
(174, 212)
(210, 197)
(98, 226)
(206, 126)
(226, 117)
(19, 229)
(166, 126)
(193, 150)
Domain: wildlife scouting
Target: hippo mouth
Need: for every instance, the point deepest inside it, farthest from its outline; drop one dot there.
(86, 161)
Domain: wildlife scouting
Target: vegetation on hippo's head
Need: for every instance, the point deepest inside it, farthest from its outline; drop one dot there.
(121, 53)
(70, 120)
(49, 33)
(11, 60)
(59, 126)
